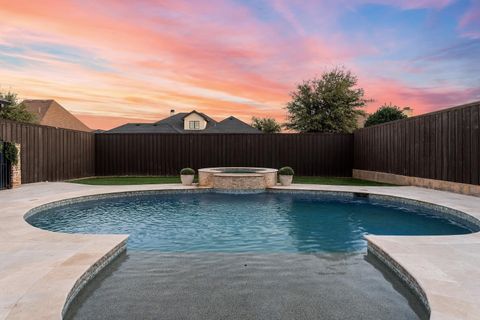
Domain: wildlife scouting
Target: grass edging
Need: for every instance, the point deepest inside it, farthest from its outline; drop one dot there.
(138, 180)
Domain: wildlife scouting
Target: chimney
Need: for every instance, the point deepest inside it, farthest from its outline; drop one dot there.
(172, 112)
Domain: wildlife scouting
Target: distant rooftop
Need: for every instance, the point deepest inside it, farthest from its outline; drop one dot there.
(50, 113)
(4, 102)
(176, 124)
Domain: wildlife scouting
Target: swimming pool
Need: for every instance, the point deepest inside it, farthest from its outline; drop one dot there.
(263, 222)
(276, 255)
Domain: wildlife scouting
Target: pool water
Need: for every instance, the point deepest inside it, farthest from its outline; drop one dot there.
(280, 286)
(269, 255)
(264, 222)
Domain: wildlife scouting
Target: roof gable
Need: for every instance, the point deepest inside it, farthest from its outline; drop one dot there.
(174, 124)
(203, 115)
(50, 113)
(233, 125)
(38, 107)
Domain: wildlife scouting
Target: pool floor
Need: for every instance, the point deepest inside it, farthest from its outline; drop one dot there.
(153, 285)
(245, 256)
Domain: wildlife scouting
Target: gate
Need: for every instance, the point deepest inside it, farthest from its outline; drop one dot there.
(5, 169)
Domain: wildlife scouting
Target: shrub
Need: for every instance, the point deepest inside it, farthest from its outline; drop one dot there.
(187, 171)
(385, 113)
(286, 171)
(11, 153)
(266, 125)
(15, 110)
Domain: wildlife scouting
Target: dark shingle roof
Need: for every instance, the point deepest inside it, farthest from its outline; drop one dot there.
(232, 125)
(145, 128)
(207, 118)
(174, 124)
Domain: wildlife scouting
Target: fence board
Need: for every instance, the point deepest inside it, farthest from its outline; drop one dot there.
(443, 145)
(51, 154)
(166, 154)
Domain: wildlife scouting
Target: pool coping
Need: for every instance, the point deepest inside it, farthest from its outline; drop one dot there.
(441, 270)
(41, 272)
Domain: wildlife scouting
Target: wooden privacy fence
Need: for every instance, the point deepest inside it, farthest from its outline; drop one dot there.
(166, 154)
(51, 154)
(443, 145)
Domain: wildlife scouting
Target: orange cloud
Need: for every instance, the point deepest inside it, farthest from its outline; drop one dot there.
(111, 61)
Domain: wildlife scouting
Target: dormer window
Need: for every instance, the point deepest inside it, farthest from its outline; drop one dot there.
(194, 121)
(194, 125)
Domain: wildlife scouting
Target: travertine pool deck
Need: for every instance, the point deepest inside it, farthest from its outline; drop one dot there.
(39, 269)
(446, 267)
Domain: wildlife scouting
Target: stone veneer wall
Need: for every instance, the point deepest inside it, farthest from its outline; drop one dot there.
(239, 182)
(401, 273)
(17, 169)
(463, 188)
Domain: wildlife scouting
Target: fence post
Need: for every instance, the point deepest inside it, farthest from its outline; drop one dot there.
(16, 170)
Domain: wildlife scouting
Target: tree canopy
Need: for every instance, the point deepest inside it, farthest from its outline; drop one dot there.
(385, 113)
(330, 103)
(266, 125)
(14, 110)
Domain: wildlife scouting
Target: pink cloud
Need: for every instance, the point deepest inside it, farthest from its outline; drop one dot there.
(215, 56)
(469, 24)
(422, 100)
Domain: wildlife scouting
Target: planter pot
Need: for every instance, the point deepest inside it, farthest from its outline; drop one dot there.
(286, 180)
(187, 180)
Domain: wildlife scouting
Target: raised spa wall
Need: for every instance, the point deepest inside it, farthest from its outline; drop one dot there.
(217, 178)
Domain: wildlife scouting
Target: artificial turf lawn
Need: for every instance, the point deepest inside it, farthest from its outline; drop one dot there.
(346, 181)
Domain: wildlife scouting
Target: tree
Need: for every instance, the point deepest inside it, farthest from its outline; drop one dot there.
(328, 104)
(266, 125)
(385, 113)
(14, 110)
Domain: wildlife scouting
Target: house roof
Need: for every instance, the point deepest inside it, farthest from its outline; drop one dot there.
(145, 128)
(174, 124)
(203, 115)
(232, 125)
(50, 113)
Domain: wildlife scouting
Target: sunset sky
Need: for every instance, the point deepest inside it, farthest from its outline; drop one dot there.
(110, 62)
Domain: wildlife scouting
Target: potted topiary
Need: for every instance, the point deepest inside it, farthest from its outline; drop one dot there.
(286, 176)
(187, 175)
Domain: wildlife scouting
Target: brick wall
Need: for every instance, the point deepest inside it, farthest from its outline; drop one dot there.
(17, 170)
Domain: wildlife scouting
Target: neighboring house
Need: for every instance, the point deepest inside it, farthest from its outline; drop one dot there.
(191, 122)
(50, 113)
(4, 103)
(361, 119)
(408, 111)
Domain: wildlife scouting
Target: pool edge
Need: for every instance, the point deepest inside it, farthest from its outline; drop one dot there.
(428, 265)
(92, 272)
(395, 247)
(400, 272)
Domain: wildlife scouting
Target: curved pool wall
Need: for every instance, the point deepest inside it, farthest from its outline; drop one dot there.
(458, 216)
(462, 219)
(237, 178)
(91, 273)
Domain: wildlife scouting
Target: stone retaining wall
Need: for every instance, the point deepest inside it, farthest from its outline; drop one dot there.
(468, 189)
